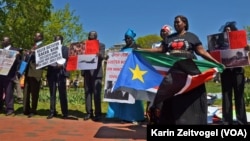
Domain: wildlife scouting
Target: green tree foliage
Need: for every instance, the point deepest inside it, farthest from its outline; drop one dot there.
(3, 8)
(247, 71)
(67, 24)
(21, 19)
(248, 31)
(64, 22)
(148, 40)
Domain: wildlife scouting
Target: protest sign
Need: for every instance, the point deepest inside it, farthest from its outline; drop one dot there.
(82, 55)
(229, 48)
(114, 65)
(7, 58)
(48, 54)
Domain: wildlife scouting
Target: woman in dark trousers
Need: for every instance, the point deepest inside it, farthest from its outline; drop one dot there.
(233, 81)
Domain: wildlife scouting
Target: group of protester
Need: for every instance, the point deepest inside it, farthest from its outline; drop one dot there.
(56, 74)
(188, 108)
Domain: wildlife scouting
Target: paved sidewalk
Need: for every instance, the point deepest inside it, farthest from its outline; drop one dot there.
(21, 128)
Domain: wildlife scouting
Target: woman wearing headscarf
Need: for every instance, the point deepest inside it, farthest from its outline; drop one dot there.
(130, 41)
(123, 111)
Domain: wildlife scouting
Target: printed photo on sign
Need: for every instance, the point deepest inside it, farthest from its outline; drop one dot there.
(48, 54)
(218, 41)
(235, 57)
(114, 65)
(118, 95)
(87, 62)
(77, 48)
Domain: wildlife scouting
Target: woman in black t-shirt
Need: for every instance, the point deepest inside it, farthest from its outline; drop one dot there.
(190, 107)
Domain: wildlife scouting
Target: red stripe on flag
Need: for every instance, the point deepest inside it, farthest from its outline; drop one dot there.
(196, 80)
(163, 73)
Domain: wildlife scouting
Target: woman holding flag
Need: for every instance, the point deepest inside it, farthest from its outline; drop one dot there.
(127, 112)
(188, 107)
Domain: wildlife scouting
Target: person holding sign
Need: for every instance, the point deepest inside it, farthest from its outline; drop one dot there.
(93, 82)
(32, 79)
(56, 76)
(233, 81)
(7, 81)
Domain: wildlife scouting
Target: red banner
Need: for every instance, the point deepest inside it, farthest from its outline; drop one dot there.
(237, 39)
(72, 63)
(92, 47)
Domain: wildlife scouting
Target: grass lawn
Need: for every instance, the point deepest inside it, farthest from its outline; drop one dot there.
(216, 88)
(77, 105)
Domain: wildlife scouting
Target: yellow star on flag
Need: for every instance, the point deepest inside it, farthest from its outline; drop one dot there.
(137, 73)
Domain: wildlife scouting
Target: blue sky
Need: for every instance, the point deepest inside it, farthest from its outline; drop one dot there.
(112, 18)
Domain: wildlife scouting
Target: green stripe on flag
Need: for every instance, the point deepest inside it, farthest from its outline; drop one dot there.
(167, 61)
